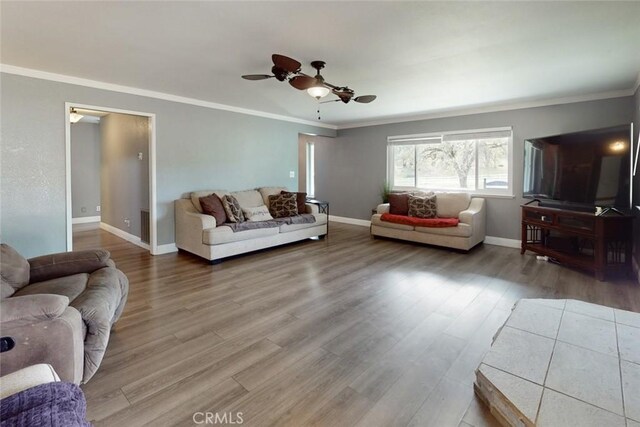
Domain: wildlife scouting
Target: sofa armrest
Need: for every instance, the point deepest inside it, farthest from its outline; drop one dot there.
(32, 308)
(25, 378)
(475, 213)
(62, 264)
(311, 208)
(383, 208)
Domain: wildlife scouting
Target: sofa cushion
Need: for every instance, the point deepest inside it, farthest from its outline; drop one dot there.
(301, 200)
(195, 197)
(68, 286)
(212, 205)
(224, 234)
(321, 219)
(248, 198)
(451, 204)
(377, 220)
(461, 230)
(261, 213)
(283, 205)
(265, 192)
(14, 270)
(232, 209)
(399, 203)
(423, 207)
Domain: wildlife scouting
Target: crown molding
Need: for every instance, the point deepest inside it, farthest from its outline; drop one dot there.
(61, 78)
(491, 108)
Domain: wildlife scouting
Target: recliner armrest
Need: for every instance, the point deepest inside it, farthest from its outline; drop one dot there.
(62, 264)
(32, 308)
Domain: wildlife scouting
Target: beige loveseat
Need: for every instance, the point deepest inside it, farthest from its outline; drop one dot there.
(199, 234)
(468, 233)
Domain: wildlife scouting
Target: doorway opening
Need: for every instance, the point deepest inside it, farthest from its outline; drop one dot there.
(111, 173)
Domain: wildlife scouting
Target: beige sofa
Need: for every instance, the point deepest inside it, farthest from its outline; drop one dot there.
(199, 234)
(467, 234)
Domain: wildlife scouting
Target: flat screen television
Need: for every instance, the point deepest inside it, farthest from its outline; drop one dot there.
(580, 170)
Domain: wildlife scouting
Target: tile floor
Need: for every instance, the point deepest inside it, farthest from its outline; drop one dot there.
(564, 363)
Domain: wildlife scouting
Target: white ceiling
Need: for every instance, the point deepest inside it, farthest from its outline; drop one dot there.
(417, 57)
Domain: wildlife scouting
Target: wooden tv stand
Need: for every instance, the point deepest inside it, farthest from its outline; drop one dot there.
(601, 244)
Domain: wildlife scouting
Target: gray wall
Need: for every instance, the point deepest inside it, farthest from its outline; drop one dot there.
(85, 169)
(351, 169)
(124, 177)
(197, 148)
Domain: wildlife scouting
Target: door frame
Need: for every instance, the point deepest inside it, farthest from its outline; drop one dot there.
(153, 247)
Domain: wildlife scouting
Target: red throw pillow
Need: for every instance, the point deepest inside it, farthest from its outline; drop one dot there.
(212, 205)
(399, 203)
(301, 201)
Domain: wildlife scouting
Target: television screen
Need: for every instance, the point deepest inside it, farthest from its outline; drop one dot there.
(581, 169)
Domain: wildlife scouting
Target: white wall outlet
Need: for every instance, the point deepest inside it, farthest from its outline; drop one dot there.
(98, 208)
(127, 222)
(140, 156)
(292, 174)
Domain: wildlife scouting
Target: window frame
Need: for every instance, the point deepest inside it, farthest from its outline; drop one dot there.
(311, 169)
(417, 139)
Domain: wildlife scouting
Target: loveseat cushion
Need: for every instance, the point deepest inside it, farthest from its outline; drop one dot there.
(68, 286)
(248, 198)
(232, 209)
(377, 220)
(423, 207)
(320, 219)
(301, 200)
(420, 222)
(451, 204)
(14, 271)
(399, 203)
(224, 234)
(195, 197)
(461, 230)
(283, 205)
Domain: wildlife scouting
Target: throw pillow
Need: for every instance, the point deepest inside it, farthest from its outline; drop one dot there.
(283, 205)
(261, 213)
(301, 200)
(232, 209)
(423, 207)
(212, 205)
(399, 203)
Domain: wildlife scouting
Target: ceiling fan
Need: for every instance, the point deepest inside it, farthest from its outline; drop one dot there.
(285, 68)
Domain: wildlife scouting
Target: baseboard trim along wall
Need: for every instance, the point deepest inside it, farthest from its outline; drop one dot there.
(124, 235)
(85, 219)
(489, 240)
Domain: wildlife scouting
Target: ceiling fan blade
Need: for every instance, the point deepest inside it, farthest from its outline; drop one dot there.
(364, 99)
(331, 100)
(286, 63)
(302, 82)
(256, 76)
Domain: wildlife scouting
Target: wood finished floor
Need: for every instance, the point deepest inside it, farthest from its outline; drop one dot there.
(347, 331)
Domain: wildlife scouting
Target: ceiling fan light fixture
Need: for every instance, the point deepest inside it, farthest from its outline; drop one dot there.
(74, 117)
(318, 91)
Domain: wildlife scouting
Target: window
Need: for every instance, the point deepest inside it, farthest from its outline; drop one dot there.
(474, 161)
(310, 170)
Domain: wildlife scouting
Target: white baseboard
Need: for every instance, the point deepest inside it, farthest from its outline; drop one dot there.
(85, 219)
(352, 221)
(124, 235)
(166, 249)
(501, 241)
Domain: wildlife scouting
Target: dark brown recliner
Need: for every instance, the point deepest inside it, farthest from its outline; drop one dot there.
(59, 309)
